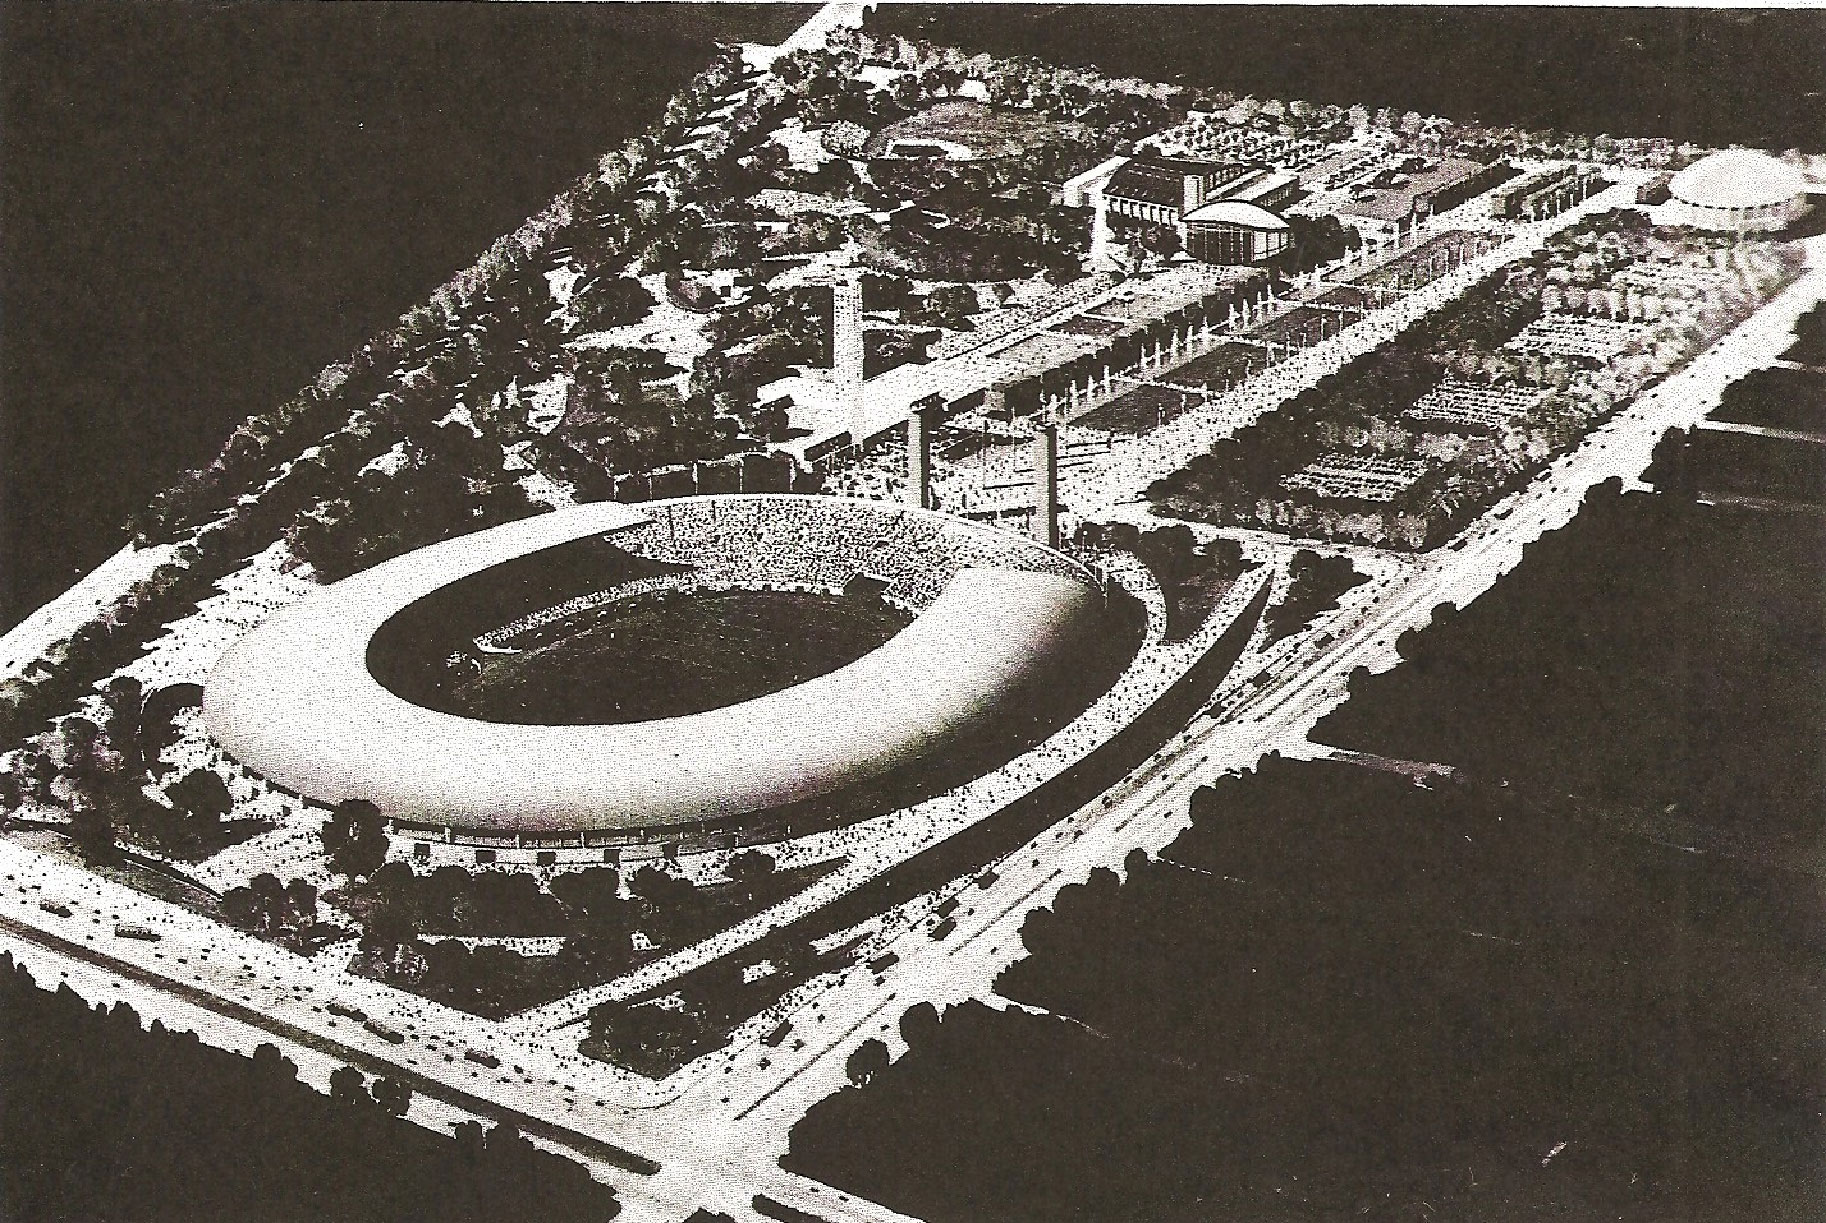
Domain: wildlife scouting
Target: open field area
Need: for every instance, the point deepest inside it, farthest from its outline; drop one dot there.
(1222, 365)
(966, 127)
(669, 654)
(1139, 410)
(1340, 996)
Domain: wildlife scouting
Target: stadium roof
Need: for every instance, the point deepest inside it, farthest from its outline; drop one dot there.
(1738, 178)
(1235, 212)
(294, 700)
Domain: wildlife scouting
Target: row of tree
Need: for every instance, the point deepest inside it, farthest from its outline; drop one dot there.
(1341, 995)
(109, 1120)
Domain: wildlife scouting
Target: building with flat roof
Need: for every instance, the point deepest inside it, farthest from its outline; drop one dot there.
(1268, 189)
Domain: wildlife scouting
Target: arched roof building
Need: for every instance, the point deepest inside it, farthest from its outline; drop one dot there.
(1234, 232)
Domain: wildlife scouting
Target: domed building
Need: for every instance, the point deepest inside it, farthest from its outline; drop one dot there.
(1736, 191)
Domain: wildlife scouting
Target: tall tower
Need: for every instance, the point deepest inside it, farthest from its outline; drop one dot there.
(924, 415)
(1046, 484)
(846, 350)
(1100, 260)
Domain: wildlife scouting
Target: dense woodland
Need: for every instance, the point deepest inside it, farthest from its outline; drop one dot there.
(411, 924)
(1342, 996)
(1809, 338)
(1779, 398)
(1315, 584)
(1654, 655)
(105, 1120)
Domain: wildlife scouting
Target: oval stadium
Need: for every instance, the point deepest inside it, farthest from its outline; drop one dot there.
(659, 671)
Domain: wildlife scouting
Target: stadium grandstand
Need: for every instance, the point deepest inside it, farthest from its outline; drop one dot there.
(356, 691)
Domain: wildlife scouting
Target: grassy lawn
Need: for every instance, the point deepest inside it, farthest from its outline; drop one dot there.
(666, 656)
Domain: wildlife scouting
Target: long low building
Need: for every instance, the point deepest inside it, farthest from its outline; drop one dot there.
(297, 701)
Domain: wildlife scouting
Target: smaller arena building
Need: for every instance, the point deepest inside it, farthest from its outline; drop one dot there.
(1222, 211)
(1736, 191)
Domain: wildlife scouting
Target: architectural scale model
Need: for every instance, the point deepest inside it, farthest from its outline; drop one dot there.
(620, 702)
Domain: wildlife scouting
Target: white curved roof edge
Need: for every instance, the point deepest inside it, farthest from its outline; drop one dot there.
(1738, 178)
(1235, 212)
(295, 702)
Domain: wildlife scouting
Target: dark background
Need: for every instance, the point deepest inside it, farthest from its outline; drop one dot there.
(203, 204)
(1711, 76)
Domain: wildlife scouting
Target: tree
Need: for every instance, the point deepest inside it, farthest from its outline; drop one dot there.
(750, 867)
(606, 302)
(393, 1095)
(81, 749)
(273, 1065)
(269, 899)
(1226, 555)
(202, 795)
(241, 906)
(587, 891)
(348, 1085)
(125, 703)
(948, 306)
(919, 1024)
(1163, 240)
(868, 1059)
(301, 904)
(449, 967)
(885, 291)
(355, 837)
(93, 831)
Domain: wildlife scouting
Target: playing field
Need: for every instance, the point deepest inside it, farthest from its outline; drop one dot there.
(668, 655)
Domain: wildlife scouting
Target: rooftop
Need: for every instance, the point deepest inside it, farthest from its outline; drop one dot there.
(1235, 212)
(1738, 178)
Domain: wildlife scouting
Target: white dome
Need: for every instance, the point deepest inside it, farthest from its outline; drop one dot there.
(1236, 212)
(1738, 178)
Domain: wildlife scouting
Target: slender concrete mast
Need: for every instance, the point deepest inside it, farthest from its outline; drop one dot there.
(846, 351)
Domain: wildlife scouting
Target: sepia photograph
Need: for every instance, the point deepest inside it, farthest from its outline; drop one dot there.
(877, 612)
